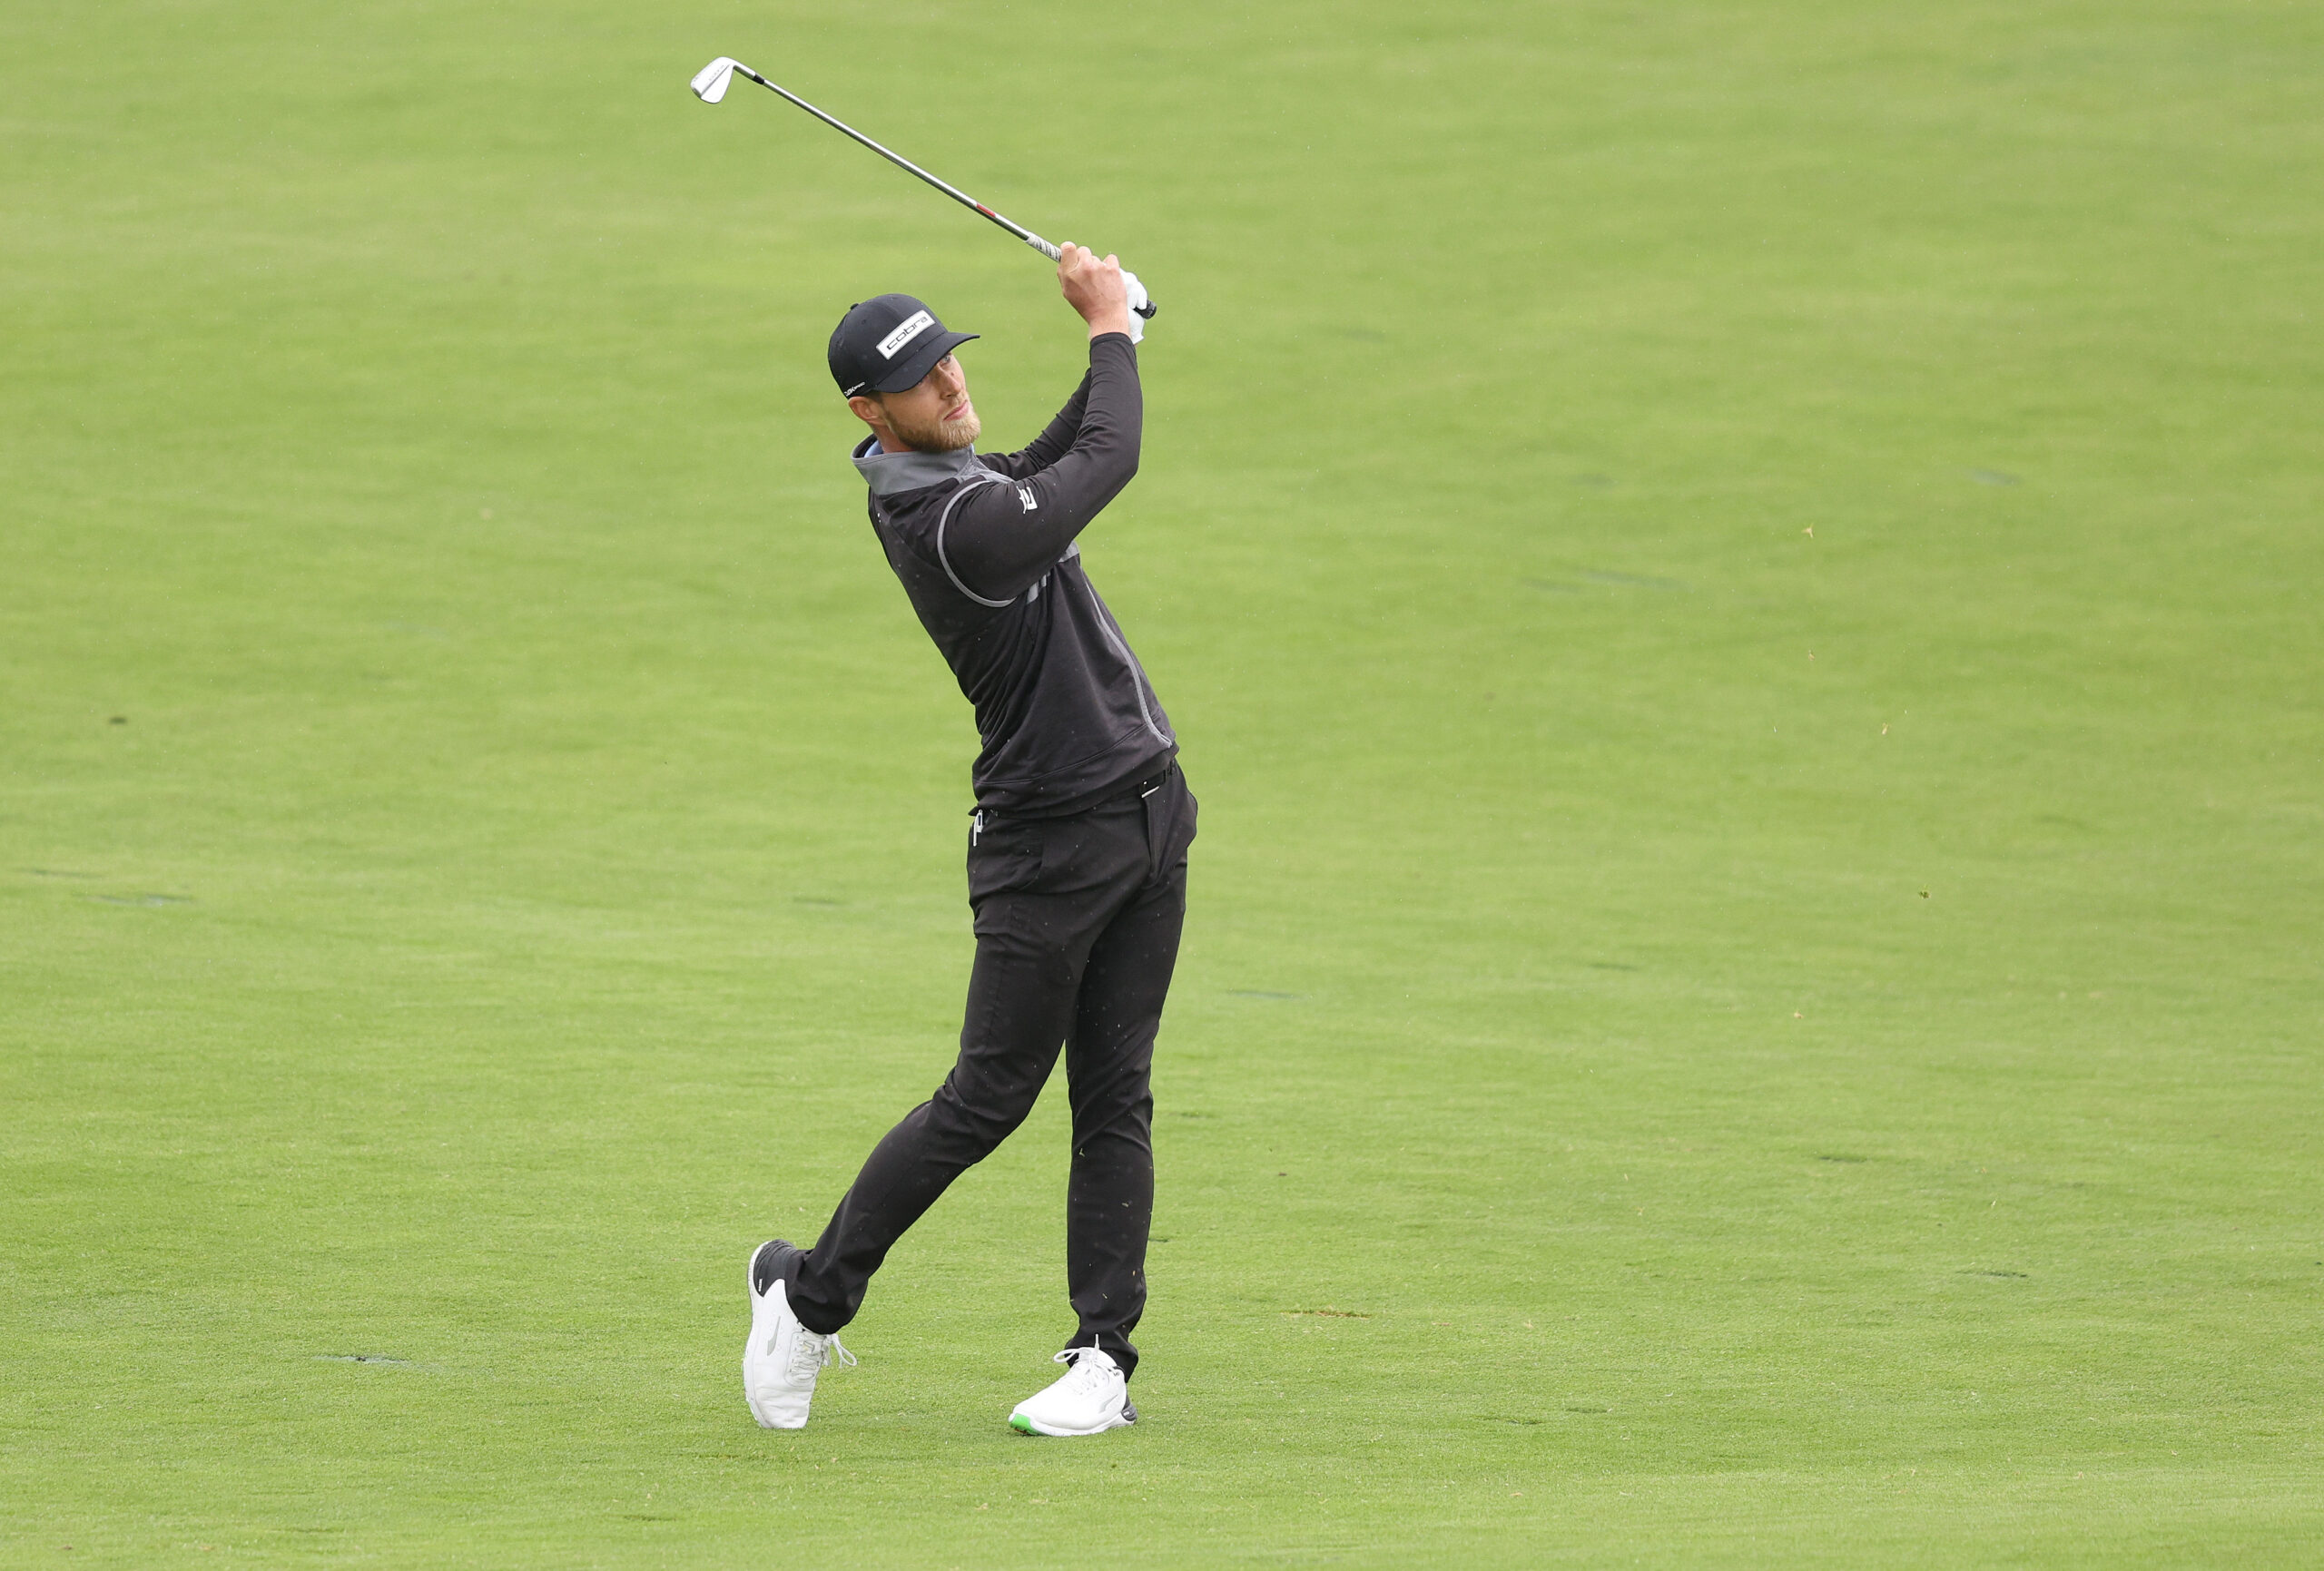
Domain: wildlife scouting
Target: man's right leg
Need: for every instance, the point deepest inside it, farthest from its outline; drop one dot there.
(1030, 951)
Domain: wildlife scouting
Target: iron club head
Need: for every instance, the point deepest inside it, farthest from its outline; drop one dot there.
(710, 83)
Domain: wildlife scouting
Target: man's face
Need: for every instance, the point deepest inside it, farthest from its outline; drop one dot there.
(934, 416)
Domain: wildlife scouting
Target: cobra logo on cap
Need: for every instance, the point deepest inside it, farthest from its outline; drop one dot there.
(911, 327)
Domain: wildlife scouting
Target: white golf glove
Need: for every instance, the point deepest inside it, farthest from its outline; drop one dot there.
(1137, 299)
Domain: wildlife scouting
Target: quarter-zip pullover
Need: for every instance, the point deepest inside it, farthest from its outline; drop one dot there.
(985, 547)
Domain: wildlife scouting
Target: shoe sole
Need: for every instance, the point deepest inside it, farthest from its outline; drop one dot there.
(1025, 1426)
(751, 1291)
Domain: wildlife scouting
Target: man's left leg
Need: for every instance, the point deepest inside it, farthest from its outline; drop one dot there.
(1109, 1199)
(1110, 1067)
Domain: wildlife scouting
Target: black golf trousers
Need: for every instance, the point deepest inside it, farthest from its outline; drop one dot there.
(1077, 925)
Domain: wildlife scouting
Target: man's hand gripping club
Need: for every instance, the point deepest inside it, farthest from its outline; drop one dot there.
(1096, 287)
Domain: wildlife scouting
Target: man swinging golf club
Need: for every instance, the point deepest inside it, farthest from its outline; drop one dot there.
(1076, 856)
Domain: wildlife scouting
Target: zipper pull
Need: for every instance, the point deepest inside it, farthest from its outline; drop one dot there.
(976, 826)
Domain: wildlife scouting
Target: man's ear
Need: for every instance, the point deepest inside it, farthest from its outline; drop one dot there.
(868, 411)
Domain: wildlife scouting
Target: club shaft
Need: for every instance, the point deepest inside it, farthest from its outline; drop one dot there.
(906, 164)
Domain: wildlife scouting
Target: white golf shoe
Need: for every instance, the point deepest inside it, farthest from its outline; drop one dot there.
(1092, 1397)
(782, 1357)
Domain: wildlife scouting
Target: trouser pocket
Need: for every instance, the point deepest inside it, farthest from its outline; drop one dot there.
(1169, 823)
(1003, 857)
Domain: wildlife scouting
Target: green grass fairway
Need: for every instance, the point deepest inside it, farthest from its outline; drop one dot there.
(1742, 586)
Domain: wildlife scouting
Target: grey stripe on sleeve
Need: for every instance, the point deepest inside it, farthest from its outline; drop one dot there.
(946, 517)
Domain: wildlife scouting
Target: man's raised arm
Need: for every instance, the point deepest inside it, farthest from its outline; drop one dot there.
(1002, 537)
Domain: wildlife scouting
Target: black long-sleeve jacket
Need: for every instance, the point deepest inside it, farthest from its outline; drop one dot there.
(985, 547)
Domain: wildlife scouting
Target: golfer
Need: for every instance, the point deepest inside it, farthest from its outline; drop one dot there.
(1077, 850)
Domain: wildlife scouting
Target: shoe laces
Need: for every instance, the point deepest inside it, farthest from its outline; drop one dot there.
(810, 1351)
(1089, 1375)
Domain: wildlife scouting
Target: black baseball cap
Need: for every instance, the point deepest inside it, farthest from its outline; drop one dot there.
(888, 343)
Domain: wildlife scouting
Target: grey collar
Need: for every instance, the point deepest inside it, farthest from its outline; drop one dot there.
(888, 473)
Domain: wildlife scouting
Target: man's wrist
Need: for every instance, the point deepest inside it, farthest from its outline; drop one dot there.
(1100, 326)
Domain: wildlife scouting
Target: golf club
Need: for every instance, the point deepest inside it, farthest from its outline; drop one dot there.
(709, 86)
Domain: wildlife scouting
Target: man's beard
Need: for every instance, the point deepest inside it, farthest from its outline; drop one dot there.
(938, 436)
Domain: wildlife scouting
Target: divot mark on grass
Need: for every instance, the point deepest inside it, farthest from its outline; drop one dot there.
(1330, 1313)
(358, 1358)
(2019, 1274)
(56, 873)
(1836, 1157)
(1575, 1409)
